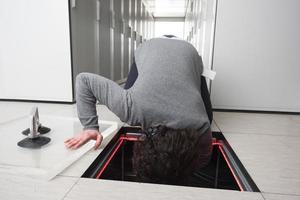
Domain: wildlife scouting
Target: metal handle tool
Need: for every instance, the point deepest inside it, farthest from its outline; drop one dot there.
(34, 139)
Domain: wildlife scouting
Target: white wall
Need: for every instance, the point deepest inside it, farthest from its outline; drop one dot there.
(257, 55)
(35, 58)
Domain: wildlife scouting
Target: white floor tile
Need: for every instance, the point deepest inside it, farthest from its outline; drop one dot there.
(14, 187)
(269, 196)
(80, 166)
(274, 124)
(272, 161)
(51, 159)
(103, 189)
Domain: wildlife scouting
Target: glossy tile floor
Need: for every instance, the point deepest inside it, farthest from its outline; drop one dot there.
(51, 159)
(267, 144)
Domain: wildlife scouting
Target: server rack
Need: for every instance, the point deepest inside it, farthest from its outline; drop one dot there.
(126, 37)
(138, 22)
(133, 27)
(111, 32)
(147, 24)
(118, 54)
(84, 36)
(143, 22)
(104, 38)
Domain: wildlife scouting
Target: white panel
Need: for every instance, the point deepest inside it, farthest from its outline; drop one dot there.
(256, 57)
(51, 159)
(35, 58)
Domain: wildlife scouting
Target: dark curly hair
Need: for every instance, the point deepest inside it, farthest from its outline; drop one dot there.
(167, 156)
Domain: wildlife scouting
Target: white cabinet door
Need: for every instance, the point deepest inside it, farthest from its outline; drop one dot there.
(35, 55)
(256, 57)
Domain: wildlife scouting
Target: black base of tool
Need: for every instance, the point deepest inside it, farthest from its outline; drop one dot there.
(34, 143)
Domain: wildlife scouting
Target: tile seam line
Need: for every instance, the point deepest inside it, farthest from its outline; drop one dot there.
(263, 197)
(66, 194)
(283, 194)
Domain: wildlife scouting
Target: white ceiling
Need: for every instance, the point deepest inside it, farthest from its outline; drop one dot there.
(167, 8)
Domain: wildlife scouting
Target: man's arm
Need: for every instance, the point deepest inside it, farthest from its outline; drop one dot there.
(89, 89)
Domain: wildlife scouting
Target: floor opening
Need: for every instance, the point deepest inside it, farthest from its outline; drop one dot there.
(224, 171)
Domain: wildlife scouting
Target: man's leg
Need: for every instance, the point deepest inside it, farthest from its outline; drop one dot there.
(206, 99)
(132, 76)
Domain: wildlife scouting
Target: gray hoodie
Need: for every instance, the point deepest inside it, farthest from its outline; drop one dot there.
(166, 92)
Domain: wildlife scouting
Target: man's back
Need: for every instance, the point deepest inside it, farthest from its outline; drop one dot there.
(167, 90)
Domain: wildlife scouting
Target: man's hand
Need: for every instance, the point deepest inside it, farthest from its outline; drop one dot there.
(84, 137)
